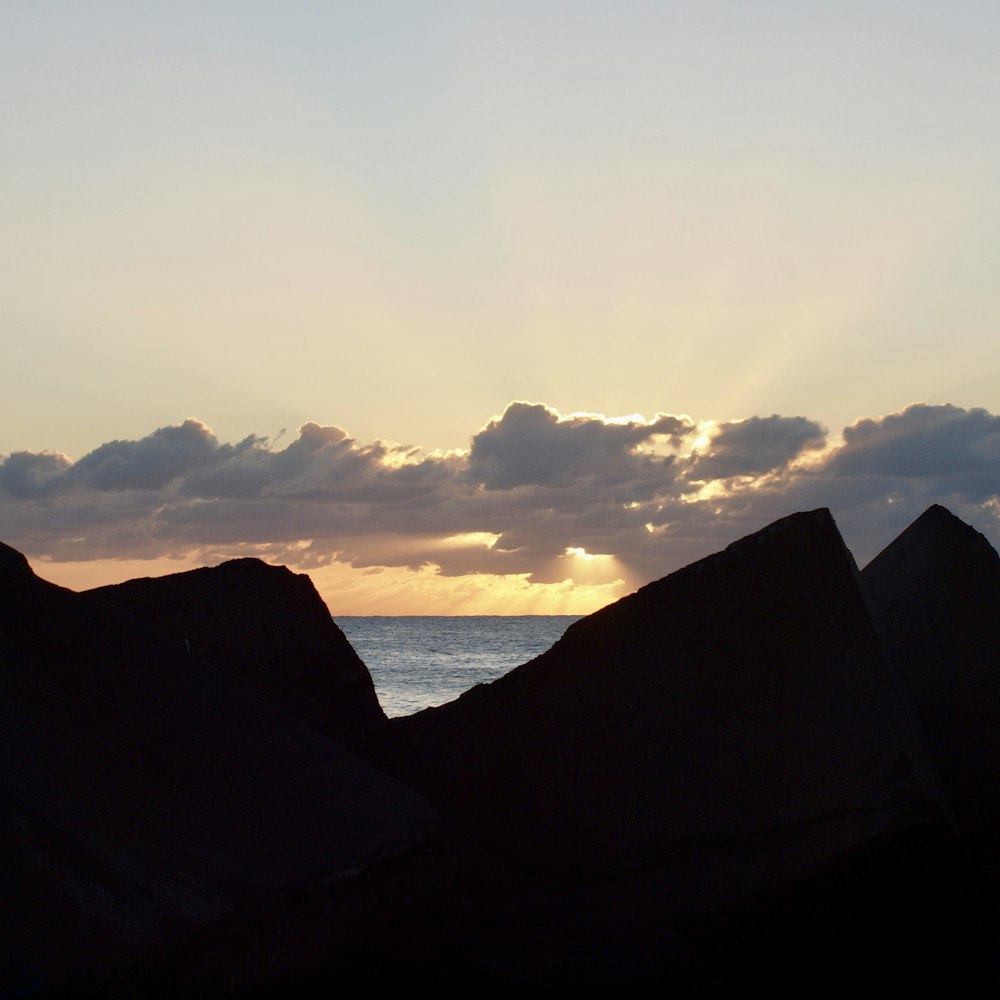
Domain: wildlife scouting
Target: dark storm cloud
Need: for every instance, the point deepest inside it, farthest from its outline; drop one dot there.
(533, 485)
(755, 446)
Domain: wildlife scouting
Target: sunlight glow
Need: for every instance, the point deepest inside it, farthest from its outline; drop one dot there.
(576, 567)
(815, 457)
(394, 590)
(710, 491)
(703, 438)
(396, 456)
(661, 446)
(471, 539)
(623, 421)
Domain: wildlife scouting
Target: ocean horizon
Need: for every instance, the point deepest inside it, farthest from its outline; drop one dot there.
(421, 661)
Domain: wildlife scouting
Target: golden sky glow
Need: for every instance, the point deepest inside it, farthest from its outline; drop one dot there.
(386, 590)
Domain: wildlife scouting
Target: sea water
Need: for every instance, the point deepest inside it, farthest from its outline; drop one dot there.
(420, 661)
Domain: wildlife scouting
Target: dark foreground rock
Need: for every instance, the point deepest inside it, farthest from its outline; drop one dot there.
(691, 777)
(936, 593)
(164, 829)
(715, 787)
(268, 627)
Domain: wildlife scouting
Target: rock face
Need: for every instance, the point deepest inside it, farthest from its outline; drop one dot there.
(745, 694)
(730, 728)
(715, 787)
(936, 593)
(157, 815)
(268, 627)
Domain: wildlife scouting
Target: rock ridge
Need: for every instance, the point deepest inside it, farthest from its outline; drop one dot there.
(147, 799)
(733, 726)
(936, 594)
(736, 780)
(267, 627)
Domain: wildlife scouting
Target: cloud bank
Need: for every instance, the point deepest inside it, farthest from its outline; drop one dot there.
(538, 496)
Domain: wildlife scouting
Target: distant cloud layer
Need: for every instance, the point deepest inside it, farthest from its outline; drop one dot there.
(534, 494)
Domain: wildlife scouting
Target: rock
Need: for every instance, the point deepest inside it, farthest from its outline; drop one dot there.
(164, 829)
(936, 593)
(744, 694)
(729, 729)
(268, 627)
(714, 787)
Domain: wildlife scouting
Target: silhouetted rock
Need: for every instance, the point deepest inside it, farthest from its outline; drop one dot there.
(730, 729)
(714, 787)
(936, 593)
(268, 627)
(163, 829)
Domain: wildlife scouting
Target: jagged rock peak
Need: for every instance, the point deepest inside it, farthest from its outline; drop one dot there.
(935, 591)
(268, 627)
(730, 728)
(805, 538)
(13, 563)
(757, 670)
(164, 829)
(18, 585)
(249, 564)
(931, 535)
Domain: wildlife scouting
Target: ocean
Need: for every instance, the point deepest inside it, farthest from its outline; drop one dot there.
(420, 661)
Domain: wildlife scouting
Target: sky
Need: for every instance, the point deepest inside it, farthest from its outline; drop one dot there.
(493, 307)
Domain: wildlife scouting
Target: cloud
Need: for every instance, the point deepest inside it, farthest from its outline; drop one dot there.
(150, 463)
(532, 445)
(945, 444)
(26, 475)
(757, 445)
(242, 470)
(535, 486)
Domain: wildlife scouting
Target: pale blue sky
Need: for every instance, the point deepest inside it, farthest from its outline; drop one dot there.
(400, 216)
